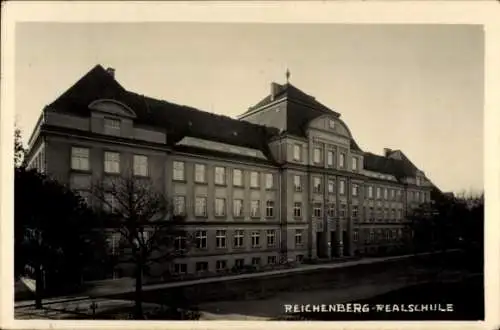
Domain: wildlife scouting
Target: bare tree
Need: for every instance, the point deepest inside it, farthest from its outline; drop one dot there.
(146, 221)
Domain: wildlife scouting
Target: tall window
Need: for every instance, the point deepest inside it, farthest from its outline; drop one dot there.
(329, 158)
(220, 175)
(354, 163)
(317, 210)
(271, 238)
(297, 209)
(254, 179)
(179, 171)
(342, 211)
(180, 268)
(271, 260)
(200, 207)
(317, 185)
(355, 235)
(110, 203)
(201, 239)
(298, 237)
(200, 175)
(237, 207)
(370, 191)
(220, 239)
(180, 243)
(393, 194)
(179, 205)
(317, 155)
(379, 192)
(238, 238)
(297, 184)
(355, 211)
(201, 266)
(269, 181)
(342, 160)
(386, 194)
(342, 187)
(237, 178)
(255, 239)
(255, 208)
(111, 126)
(372, 214)
(80, 159)
(220, 207)
(331, 123)
(140, 165)
(111, 162)
(372, 235)
(220, 265)
(331, 186)
(270, 209)
(297, 152)
(355, 189)
(331, 210)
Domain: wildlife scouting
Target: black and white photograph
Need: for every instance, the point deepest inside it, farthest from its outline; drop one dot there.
(248, 171)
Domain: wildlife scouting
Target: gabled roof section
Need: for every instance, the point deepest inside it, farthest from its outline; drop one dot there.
(177, 120)
(387, 165)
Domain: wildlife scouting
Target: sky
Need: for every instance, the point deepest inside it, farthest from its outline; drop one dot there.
(417, 88)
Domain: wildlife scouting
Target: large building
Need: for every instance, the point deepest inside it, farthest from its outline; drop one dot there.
(286, 180)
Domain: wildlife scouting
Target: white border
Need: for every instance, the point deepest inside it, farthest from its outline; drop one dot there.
(376, 12)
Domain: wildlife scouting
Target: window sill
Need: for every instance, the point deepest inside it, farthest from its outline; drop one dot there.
(255, 188)
(77, 171)
(238, 217)
(219, 216)
(201, 217)
(112, 174)
(141, 176)
(221, 185)
(201, 183)
(239, 186)
(179, 180)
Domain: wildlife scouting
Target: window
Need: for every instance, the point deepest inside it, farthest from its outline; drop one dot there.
(331, 123)
(140, 165)
(343, 208)
(354, 164)
(238, 238)
(317, 210)
(331, 186)
(220, 207)
(254, 179)
(179, 171)
(317, 155)
(342, 187)
(379, 193)
(329, 158)
(180, 243)
(256, 261)
(80, 159)
(237, 178)
(370, 192)
(355, 235)
(114, 243)
(297, 184)
(270, 209)
(110, 203)
(380, 214)
(355, 211)
(200, 173)
(298, 237)
(355, 190)
(372, 235)
(271, 238)
(255, 209)
(201, 266)
(317, 185)
(387, 235)
(297, 151)
(111, 162)
(331, 210)
(179, 205)
(269, 181)
(239, 263)
(85, 196)
(386, 195)
(399, 214)
(220, 265)
(342, 160)
(297, 209)
(299, 258)
(220, 175)
(111, 126)
(271, 260)
(372, 214)
(393, 194)
(180, 269)
(237, 207)
(220, 239)
(393, 214)
(255, 239)
(201, 239)
(200, 207)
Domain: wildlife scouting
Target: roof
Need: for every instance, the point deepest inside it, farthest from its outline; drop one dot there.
(177, 120)
(387, 165)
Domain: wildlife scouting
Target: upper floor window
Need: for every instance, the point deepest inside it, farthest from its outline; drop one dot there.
(255, 208)
(270, 209)
(379, 192)
(254, 179)
(297, 152)
(297, 184)
(269, 181)
(355, 190)
(200, 173)
(112, 126)
(237, 178)
(370, 191)
(331, 186)
(342, 187)
(329, 158)
(140, 165)
(220, 207)
(331, 123)
(179, 171)
(220, 175)
(354, 163)
(342, 160)
(237, 207)
(200, 208)
(317, 155)
(386, 194)
(80, 159)
(179, 205)
(317, 185)
(111, 162)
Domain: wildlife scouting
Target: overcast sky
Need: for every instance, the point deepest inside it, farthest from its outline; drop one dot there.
(418, 88)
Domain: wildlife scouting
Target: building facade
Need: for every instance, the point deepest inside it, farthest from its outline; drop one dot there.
(284, 181)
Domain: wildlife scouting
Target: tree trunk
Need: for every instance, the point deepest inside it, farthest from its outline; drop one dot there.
(38, 286)
(138, 291)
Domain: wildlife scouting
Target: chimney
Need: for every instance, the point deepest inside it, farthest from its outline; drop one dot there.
(111, 72)
(387, 152)
(275, 88)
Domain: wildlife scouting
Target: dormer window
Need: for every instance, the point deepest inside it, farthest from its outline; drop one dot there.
(112, 126)
(331, 123)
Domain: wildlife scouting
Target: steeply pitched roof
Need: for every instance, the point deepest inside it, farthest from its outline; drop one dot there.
(387, 165)
(177, 120)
